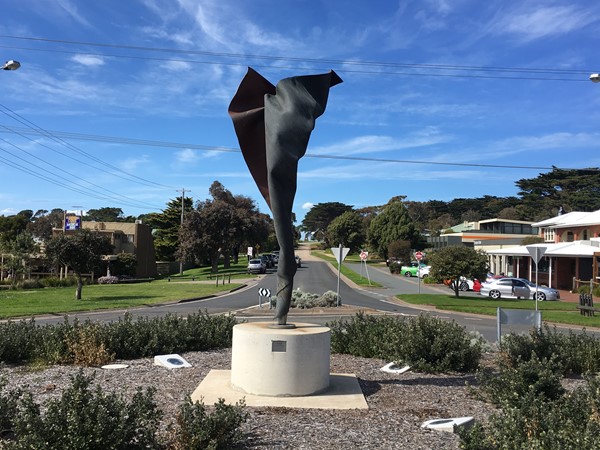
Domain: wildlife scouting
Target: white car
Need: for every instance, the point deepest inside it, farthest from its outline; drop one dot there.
(256, 266)
(424, 271)
(517, 288)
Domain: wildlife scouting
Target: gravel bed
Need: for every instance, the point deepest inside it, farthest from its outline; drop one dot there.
(398, 404)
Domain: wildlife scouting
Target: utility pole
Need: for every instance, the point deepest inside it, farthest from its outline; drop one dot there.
(181, 225)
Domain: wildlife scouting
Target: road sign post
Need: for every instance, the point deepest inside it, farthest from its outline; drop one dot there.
(536, 253)
(264, 292)
(363, 259)
(419, 257)
(339, 253)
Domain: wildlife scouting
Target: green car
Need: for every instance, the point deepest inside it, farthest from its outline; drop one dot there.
(412, 269)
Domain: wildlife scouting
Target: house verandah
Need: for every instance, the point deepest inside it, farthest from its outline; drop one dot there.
(572, 251)
(558, 266)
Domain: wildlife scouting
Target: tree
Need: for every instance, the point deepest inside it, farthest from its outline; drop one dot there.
(392, 224)
(105, 214)
(573, 189)
(11, 227)
(125, 264)
(43, 222)
(80, 251)
(247, 227)
(166, 227)
(348, 230)
(206, 232)
(20, 251)
(318, 218)
(401, 250)
(456, 261)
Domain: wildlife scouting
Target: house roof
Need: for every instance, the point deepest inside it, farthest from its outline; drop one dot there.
(572, 219)
(577, 248)
(563, 220)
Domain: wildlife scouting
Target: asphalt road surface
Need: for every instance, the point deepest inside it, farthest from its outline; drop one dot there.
(315, 276)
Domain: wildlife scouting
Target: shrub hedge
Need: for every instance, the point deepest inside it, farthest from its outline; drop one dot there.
(425, 343)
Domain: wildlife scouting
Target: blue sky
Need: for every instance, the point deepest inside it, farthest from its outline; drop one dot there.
(435, 92)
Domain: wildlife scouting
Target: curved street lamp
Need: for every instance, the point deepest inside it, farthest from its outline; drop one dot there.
(595, 77)
(11, 65)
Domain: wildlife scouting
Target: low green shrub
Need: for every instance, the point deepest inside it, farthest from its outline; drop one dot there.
(17, 340)
(197, 429)
(8, 407)
(395, 267)
(576, 353)
(108, 280)
(515, 384)
(86, 418)
(30, 284)
(91, 343)
(425, 343)
(60, 282)
(307, 300)
(571, 421)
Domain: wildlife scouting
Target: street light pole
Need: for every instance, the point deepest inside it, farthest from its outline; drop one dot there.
(595, 77)
(181, 226)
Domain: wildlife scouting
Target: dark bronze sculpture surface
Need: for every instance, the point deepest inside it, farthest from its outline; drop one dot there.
(273, 126)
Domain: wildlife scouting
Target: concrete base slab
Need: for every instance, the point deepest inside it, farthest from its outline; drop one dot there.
(343, 393)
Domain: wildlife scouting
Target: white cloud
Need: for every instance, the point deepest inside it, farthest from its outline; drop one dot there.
(186, 156)
(72, 11)
(130, 164)
(88, 60)
(532, 21)
(373, 143)
(308, 205)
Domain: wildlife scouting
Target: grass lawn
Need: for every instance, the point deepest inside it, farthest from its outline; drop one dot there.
(361, 280)
(558, 312)
(26, 303)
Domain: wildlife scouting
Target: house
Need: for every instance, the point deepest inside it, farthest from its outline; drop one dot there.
(571, 250)
(135, 238)
(485, 234)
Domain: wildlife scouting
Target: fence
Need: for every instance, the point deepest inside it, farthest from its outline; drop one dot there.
(591, 284)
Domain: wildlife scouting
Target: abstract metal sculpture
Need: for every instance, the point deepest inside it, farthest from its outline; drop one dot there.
(273, 126)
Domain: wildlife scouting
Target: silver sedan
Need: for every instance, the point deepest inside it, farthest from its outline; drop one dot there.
(517, 288)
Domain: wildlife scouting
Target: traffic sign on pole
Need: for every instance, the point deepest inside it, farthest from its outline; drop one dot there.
(419, 256)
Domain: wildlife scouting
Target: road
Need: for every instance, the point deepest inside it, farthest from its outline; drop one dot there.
(315, 276)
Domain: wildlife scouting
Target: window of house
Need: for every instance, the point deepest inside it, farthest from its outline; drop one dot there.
(130, 238)
(548, 235)
(568, 236)
(585, 235)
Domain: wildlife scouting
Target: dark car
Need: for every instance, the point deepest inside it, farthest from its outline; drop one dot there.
(268, 260)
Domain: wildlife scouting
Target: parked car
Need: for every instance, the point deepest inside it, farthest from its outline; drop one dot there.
(465, 284)
(268, 260)
(412, 269)
(275, 254)
(391, 260)
(424, 271)
(256, 265)
(508, 287)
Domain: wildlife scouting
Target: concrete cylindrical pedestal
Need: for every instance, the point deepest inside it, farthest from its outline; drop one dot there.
(280, 362)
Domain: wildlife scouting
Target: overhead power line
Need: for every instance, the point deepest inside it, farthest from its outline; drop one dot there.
(166, 144)
(383, 67)
(40, 131)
